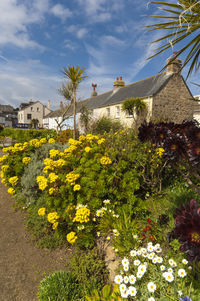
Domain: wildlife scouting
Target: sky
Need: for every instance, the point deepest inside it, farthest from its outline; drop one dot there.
(108, 38)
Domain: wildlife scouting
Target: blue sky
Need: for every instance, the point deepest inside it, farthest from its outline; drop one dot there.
(106, 37)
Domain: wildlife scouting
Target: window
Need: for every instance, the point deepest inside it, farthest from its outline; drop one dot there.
(108, 112)
(129, 115)
(29, 116)
(38, 109)
(32, 109)
(117, 114)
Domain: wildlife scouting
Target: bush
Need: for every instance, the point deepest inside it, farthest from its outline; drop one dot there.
(89, 269)
(59, 286)
(23, 135)
(105, 125)
(64, 136)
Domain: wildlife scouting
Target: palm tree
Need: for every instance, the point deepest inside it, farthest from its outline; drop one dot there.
(75, 75)
(182, 23)
(134, 107)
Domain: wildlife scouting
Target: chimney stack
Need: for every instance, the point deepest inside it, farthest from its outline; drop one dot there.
(175, 65)
(61, 105)
(119, 83)
(49, 105)
(94, 92)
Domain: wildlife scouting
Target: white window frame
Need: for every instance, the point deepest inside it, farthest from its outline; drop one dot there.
(117, 112)
(108, 112)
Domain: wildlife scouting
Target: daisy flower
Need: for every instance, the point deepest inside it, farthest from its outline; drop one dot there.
(182, 273)
(132, 279)
(162, 267)
(118, 279)
(136, 262)
(151, 287)
(142, 268)
(122, 287)
(184, 261)
(126, 279)
(170, 270)
(139, 274)
(125, 294)
(168, 276)
(125, 261)
(132, 291)
(126, 268)
(151, 299)
(133, 253)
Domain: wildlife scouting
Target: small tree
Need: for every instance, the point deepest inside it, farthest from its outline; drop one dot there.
(134, 107)
(34, 123)
(85, 118)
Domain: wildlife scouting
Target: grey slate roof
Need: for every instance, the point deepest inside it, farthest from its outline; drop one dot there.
(143, 88)
(59, 112)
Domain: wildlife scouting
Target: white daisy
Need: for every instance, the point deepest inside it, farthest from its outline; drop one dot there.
(132, 291)
(143, 250)
(182, 273)
(142, 268)
(150, 248)
(154, 260)
(159, 259)
(174, 264)
(184, 261)
(162, 267)
(136, 262)
(139, 275)
(180, 293)
(126, 268)
(151, 287)
(125, 294)
(125, 261)
(169, 276)
(159, 250)
(118, 279)
(132, 279)
(151, 299)
(171, 262)
(157, 246)
(133, 253)
(126, 279)
(170, 270)
(122, 287)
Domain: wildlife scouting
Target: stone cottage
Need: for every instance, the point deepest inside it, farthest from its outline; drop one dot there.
(166, 95)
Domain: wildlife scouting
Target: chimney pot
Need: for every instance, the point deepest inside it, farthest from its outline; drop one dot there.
(120, 77)
(61, 105)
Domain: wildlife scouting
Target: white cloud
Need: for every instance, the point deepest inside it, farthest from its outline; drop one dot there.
(80, 32)
(22, 81)
(70, 45)
(61, 12)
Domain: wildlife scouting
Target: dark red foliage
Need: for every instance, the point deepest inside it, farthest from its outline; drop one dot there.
(187, 229)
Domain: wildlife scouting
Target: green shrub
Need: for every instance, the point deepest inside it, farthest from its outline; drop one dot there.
(59, 286)
(89, 269)
(23, 135)
(64, 136)
(105, 125)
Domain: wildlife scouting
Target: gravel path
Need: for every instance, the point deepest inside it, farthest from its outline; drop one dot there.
(22, 264)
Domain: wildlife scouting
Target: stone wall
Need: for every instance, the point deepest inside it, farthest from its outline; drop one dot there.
(174, 102)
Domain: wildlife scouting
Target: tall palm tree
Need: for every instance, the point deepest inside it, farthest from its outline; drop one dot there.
(181, 23)
(75, 75)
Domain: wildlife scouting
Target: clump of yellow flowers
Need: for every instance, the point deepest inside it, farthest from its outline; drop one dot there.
(105, 160)
(160, 151)
(82, 214)
(13, 180)
(42, 182)
(71, 237)
(11, 191)
(52, 177)
(26, 160)
(72, 177)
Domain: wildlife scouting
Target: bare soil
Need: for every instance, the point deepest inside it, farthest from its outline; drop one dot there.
(22, 264)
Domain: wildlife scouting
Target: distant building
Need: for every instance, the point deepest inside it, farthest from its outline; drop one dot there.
(8, 115)
(32, 110)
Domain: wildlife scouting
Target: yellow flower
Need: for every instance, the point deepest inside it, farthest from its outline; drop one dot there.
(51, 190)
(105, 160)
(43, 140)
(26, 160)
(42, 182)
(52, 177)
(72, 177)
(160, 151)
(87, 149)
(82, 215)
(82, 138)
(52, 217)
(55, 226)
(42, 211)
(13, 180)
(11, 191)
(71, 237)
(4, 167)
(53, 153)
(100, 141)
(77, 187)
(51, 140)
(73, 142)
